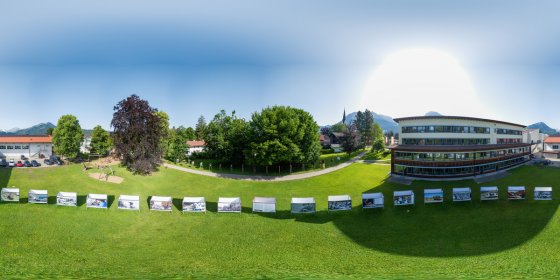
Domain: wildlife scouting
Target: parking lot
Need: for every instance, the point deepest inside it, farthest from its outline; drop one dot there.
(29, 162)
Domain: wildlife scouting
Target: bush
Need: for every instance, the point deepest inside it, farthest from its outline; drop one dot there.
(327, 151)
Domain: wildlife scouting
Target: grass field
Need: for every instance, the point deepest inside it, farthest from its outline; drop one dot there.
(497, 239)
(329, 160)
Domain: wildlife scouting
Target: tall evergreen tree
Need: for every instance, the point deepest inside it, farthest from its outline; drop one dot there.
(200, 128)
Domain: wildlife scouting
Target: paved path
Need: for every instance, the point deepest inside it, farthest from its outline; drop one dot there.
(267, 178)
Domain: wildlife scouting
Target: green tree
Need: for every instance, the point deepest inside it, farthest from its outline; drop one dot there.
(164, 129)
(280, 135)
(351, 139)
(226, 137)
(100, 141)
(200, 128)
(177, 145)
(67, 136)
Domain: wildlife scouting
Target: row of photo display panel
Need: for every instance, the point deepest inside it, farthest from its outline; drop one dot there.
(268, 204)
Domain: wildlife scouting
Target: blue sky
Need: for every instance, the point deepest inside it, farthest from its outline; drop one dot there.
(192, 58)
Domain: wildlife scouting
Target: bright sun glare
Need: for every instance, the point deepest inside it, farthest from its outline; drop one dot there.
(415, 81)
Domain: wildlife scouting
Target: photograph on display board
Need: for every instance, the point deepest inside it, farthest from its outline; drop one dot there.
(66, 200)
(194, 206)
(10, 195)
(433, 197)
(303, 207)
(488, 193)
(543, 193)
(516, 193)
(340, 205)
(465, 195)
(404, 200)
(129, 204)
(372, 202)
(38, 197)
(229, 207)
(161, 205)
(96, 202)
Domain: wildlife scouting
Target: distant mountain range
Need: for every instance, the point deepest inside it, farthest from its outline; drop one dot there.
(40, 129)
(388, 124)
(385, 122)
(544, 128)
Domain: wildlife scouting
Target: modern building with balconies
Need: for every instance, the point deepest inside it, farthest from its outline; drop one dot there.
(454, 147)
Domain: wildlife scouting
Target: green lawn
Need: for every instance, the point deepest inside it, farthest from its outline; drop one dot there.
(330, 160)
(498, 239)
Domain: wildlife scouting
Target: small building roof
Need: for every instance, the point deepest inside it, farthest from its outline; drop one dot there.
(343, 197)
(194, 199)
(552, 139)
(196, 143)
(543, 189)
(459, 190)
(401, 193)
(66, 194)
(26, 139)
(97, 196)
(372, 195)
(298, 200)
(161, 198)
(39, 191)
(269, 200)
(129, 197)
(433, 191)
(229, 200)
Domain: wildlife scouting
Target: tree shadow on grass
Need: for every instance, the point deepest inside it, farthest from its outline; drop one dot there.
(448, 230)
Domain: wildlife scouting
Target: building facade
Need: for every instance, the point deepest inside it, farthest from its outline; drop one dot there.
(195, 146)
(29, 146)
(552, 147)
(452, 147)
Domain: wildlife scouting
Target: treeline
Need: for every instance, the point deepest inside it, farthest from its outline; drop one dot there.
(361, 133)
(278, 135)
(141, 137)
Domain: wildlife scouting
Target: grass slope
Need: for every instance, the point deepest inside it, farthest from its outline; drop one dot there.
(500, 239)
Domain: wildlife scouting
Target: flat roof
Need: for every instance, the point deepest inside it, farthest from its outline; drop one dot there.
(455, 118)
(453, 148)
(26, 139)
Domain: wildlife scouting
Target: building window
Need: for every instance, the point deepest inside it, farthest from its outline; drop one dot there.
(9, 147)
(555, 147)
(2, 147)
(445, 129)
(17, 147)
(25, 147)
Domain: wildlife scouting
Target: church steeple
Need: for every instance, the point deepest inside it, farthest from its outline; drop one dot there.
(344, 117)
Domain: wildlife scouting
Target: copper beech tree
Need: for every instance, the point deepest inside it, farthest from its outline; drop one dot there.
(137, 134)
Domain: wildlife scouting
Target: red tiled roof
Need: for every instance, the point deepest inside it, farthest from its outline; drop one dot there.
(552, 139)
(196, 143)
(25, 139)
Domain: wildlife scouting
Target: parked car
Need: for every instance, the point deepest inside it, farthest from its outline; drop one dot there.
(3, 163)
(34, 163)
(23, 157)
(47, 162)
(27, 164)
(56, 160)
(12, 163)
(19, 163)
